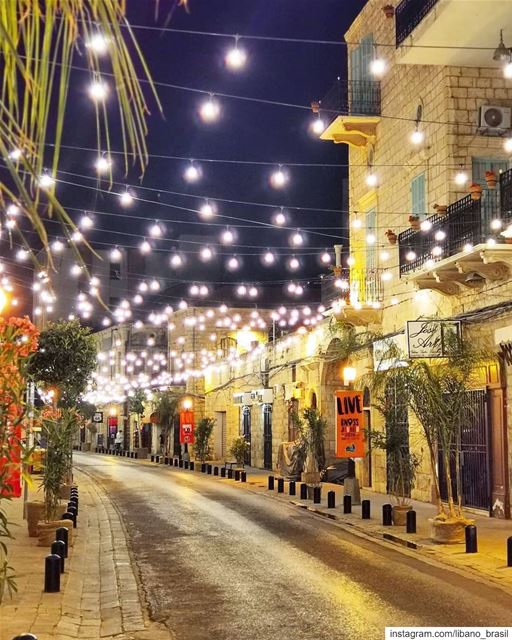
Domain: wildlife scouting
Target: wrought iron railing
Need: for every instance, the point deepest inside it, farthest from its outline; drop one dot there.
(467, 222)
(408, 15)
(351, 98)
(353, 286)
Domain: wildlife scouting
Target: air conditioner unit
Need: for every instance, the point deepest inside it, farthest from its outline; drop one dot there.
(494, 120)
(242, 399)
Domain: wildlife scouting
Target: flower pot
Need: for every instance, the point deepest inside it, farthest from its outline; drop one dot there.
(415, 223)
(35, 510)
(392, 238)
(46, 532)
(399, 514)
(491, 179)
(475, 191)
(449, 531)
(441, 209)
(389, 10)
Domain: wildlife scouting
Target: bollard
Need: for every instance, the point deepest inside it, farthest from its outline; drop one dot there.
(387, 515)
(411, 521)
(72, 504)
(191, 466)
(280, 485)
(237, 475)
(331, 499)
(509, 551)
(271, 483)
(347, 504)
(180, 464)
(317, 495)
(157, 459)
(52, 574)
(209, 469)
(136, 456)
(26, 636)
(303, 491)
(230, 474)
(223, 472)
(152, 458)
(215, 471)
(471, 541)
(62, 534)
(365, 509)
(166, 460)
(175, 462)
(291, 487)
(203, 467)
(69, 516)
(243, 476)
(72, 509)
(59, 549)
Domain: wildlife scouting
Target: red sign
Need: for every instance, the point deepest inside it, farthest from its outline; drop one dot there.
(187, 427)
(350, 440)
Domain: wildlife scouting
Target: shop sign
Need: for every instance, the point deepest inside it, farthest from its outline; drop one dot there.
(350, 441)
(187, 427)
(427, 338)
(98, 416)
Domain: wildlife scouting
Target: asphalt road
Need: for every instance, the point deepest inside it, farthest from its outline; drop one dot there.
(218, 562)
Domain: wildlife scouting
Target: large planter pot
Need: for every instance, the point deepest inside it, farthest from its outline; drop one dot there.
(35, 512)
(46, 532)
(449, 531)
(65, 492)
(399, 514)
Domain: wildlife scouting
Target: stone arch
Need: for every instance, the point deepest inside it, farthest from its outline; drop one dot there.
(331, 379)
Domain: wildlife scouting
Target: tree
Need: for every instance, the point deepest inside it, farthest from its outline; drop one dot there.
(166, 410)
(65, 360)
(312, 427)
(203, 433)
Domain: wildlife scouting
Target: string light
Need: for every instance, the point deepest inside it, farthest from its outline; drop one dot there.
(145, 247)
(192, 173)
(437, 251)
(227, 237)
(236, 57)
(46, 181)
(372, 180)
(410, 256)
(12, 210)
(206, 254)
(461, 178)
(10, 224)
(116, 255)
(268, 258)
(371, 238)
(86, 222)
(98, 43)
(496, 224)
(507, 145)
(76, 270)
(15, 154)
(57, 246)
(233, 263)
(378, 67)
(293, 263)
(76, 237)
(279, 178)
(297, 239)
(103, 164)
(126, 198)
(417, 137)
(440, 235)
(98, 90)
(357, 223)
(280, 218)
(207, 210)
(384, 256)
(425, 225)
(156, 230)
(22, 255)
(176, 261)
(209, 110)
(325, 258)
(317, 125)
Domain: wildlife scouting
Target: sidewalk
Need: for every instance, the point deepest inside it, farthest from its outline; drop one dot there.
(488, 564)
(99, 596)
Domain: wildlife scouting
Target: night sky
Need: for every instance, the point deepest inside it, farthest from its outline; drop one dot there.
(284, 72)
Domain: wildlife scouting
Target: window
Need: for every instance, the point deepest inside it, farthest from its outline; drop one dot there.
(490, 204)
(362, 82)
(371, 230)
(418, 198)
(115, 271)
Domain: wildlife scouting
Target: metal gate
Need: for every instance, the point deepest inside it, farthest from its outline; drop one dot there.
(267, 436)
(246, 432)
(474, 455)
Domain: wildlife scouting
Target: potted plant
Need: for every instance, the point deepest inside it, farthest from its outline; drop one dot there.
(441, 209)
(475, 191)
(491, 179)
(203, 434)
(239, 449)
(414, 221)
(389, 10)
(391, 236)
(311, 427)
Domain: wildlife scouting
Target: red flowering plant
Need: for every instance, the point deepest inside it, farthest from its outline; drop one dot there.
(18, 340)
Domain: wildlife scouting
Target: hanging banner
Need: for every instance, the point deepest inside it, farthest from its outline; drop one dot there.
(350, 441)
(187, 427)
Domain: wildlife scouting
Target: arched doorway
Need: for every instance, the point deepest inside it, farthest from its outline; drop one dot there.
(331, 380)
(313, 402)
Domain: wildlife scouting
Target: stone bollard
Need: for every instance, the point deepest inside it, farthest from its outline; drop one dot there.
(209, 469)
(26, 636)
(243, 476)
(52, 573)
(230, 474)
(180, 464)
(191, 465)
(152, 458)
(203, 467)
(69, 516)
(215, 471)
(59, 549)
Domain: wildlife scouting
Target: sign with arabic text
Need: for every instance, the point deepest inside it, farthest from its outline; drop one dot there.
(428, 338)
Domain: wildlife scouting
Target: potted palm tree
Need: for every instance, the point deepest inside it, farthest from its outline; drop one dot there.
(203, 434)
(239, 450)
(311, 427)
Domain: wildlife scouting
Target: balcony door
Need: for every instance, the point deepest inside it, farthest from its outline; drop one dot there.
(362, 85)
(490, 197)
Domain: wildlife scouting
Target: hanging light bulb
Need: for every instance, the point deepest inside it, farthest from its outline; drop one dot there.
(98, 90)
(227, 237)
(126, 198)
(461, 177)
(317, 125)
(192, 173)
(241, 290)
(325, 258)
(371, 238)
(496, 224)
(410, 256)
(154, 285)
(203, 291)
(384, 256)
(76, 270)
(15, 154)
(425, 225)
(209, 110)
(116, 255)
(145, 247)
(507, 145)
(440, 235)
(378, 67)
(236, 57)
(206, 254)
(86, 222)
(76, 237)
(22, 255)
(12, 210)
(280, 218)
(103, 164)
(357, 223)
(46, 181)
(233, 263)
(176, 261)
(57, 246)
(253, 292)
(10, 223)
(371, 179)
(194, 290)
(417, 137)
(279, 178)
(293, 263)
(268, 258)
(207, 210)
(138, 299)
(156, 230)
(297, 239)
(98, 43)
(507, 70)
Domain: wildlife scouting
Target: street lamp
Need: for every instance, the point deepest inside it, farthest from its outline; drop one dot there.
(349, 375)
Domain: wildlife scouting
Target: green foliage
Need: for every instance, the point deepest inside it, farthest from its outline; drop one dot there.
(166, 410)
(86, 409)
(239, 449)
(7, 576)
(312, 427)
(136, 403)
(347, 340)
(203, 433)
(65, 360)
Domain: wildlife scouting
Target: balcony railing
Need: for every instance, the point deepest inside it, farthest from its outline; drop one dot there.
(353, 287)
(466, 223)
(408, 15)
(352, 98)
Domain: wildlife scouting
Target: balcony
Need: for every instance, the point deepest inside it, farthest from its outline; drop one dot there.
(352, 109)
(461, 248)
(429, 31)
(354, 294)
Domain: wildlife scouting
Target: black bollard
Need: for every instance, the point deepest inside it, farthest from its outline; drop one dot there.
(215, 471)
(411, 521)
(186, 464)
(387, 515)
(331, 499)
(223, 472)
(72, 504)
(291, 487)
(203, 467)
(317, 495)
(347, 504)
(157, 459)
(26, 636)
(59, 549)
(180, 464)
(166, 460)
(243, 476)
(509, 551)
(62, 534)
(72, 509)
(237, 475)
(175, 462)
(471, 541)
(365, 509)
(136, 456)
(271, 483)
(230, 474)
(303, 491)
(69, 516)
(191, 466)
(209, 469)
(280, 485)
(52, 574)
(152, 458)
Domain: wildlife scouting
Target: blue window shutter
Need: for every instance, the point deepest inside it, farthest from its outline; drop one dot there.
(371, 228)
(418, 196)
(360, 75)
